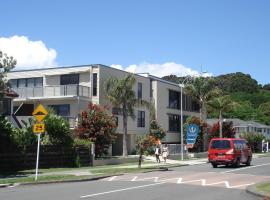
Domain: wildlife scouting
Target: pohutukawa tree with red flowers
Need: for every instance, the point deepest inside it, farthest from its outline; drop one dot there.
(98, 125)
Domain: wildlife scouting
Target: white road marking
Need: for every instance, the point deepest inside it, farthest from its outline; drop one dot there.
(179, 181)
(112, 178)
(120, 190)
(142, 179)
(236, 186)
(243, 168)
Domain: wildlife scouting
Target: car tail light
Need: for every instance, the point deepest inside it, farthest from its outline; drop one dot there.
(230, 152)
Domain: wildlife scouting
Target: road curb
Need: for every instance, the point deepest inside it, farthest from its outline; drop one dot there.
(58, 181)
(4, 185)
(252, 190)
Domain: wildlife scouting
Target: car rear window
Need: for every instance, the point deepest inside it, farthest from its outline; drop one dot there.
(220, 144)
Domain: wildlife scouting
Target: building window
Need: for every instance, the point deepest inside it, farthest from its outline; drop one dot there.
(13, 83)
(26, 82)
(61, 110)
(30, 82)
(141, 119)
(174, 123)
(25, 110)
(174, 98)
(117, 111)
(69, 79)
(139, 93)
(21, 83)
(39, 82)
(94, 84)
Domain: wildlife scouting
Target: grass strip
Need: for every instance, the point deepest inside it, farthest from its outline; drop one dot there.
(265, 188)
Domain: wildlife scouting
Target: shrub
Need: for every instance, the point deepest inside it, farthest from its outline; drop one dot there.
(6, 134)
(254, 139)
(24, 136)
(97, 125)
(156, 130)
(57, 129)
(227, 130)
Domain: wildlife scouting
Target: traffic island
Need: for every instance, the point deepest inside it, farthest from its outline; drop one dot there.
(261, 190)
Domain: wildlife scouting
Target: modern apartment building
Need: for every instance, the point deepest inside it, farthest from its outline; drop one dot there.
(68, 90)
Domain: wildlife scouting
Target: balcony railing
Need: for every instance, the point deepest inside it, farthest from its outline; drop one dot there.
(53, 91)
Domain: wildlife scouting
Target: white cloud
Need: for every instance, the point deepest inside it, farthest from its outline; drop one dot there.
(29, 54)
(161, 70)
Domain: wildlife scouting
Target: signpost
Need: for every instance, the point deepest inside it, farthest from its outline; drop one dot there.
(39, 113)
(192, 133)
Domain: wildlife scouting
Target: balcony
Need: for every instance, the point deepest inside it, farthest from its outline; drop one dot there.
(53, 91)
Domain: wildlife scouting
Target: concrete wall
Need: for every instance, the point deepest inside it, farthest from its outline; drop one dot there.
(105, 74)
(161, 99)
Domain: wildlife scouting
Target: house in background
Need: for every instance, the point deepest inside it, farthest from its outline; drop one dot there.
(7, 103)
(68, 90)
(245, 126)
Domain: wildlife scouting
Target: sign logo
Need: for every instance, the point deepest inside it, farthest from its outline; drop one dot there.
(192, 133)
(39, 128)
(40, 113)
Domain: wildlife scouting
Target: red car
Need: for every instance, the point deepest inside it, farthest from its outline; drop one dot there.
(229, 151)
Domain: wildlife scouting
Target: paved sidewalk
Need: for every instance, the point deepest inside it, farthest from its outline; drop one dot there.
(194, 161)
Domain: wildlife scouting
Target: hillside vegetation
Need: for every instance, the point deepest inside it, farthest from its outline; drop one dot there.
(252, 99)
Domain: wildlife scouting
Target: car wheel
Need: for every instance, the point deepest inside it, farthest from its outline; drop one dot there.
(214, 165)
(248, 161)
(237, 163)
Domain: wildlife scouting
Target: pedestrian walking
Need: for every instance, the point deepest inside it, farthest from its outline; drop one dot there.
(157, 153)
(165, 152)
(264, 147)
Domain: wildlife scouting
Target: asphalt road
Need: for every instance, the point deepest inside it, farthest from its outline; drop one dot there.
(190, 182)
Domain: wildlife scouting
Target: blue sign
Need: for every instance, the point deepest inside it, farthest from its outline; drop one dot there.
(192, 133)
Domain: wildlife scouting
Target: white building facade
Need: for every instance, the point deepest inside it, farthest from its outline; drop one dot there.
(68, 90)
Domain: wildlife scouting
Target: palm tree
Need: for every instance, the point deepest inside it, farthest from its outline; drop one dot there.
(221, 104)
(202, 90)
(120, 93)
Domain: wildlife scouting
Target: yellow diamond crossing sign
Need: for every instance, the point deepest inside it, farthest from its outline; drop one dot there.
(40, 113)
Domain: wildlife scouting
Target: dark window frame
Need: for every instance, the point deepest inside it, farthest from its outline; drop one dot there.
(174, 122)
(70, 79)
(94, 84)
(139, 90)
(56, 108)
(174, 99)
(140, 119)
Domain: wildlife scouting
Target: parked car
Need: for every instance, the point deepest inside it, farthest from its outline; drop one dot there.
(229, 151)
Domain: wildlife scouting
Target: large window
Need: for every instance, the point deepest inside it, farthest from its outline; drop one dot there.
(61, 110)
(26, 82)
(94, 84)
(174, 99)
(141, 119)
(139, 93)
(69, 79)
(174, 123)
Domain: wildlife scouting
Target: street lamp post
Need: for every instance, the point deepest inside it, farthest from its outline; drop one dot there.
(181, 113)
(182, 135)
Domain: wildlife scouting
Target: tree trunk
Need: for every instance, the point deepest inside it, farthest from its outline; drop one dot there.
(125, 153)
(140, 161)
(220, 124)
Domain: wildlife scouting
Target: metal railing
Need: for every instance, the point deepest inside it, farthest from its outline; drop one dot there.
(49, 91)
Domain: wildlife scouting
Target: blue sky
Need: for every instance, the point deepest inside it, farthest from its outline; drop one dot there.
(161, 36)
